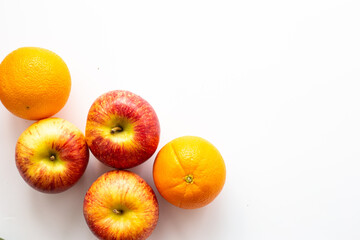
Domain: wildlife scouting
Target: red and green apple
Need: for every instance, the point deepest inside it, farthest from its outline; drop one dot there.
(121, 205)
(51, 155)
(122, 129)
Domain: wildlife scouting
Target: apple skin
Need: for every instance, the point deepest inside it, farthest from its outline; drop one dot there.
(122, 129)
(121, 205)
(51, 155)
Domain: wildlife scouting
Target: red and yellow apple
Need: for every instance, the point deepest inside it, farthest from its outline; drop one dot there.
(51, 155)
(121, 205)
(122, 129)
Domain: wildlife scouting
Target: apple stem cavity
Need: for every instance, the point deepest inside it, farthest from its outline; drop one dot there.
(116, 129)
(189, 178)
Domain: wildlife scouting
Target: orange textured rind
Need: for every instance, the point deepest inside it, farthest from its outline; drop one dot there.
(186, 156)
(35, 83)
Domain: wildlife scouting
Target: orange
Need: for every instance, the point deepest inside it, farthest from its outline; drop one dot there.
(35, 83)
(189, 172)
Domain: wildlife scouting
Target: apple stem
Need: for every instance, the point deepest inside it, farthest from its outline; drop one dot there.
(52, 157)
(116, 129)
(118, 212)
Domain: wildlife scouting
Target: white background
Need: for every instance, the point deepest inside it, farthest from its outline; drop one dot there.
(274, 85)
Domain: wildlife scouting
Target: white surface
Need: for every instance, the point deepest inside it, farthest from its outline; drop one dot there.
(273, 84)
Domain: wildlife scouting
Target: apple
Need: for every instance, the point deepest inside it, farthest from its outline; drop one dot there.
(121, 205)
(122, 129)
(51, 155)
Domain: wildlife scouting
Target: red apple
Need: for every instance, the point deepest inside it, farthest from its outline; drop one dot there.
(51, 155)
(122, 129)
(121, 205)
